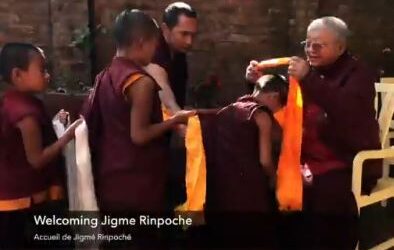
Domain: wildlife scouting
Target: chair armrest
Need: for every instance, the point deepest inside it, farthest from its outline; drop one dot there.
(358, 163)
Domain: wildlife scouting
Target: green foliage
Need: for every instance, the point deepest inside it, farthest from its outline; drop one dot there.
(82, 38)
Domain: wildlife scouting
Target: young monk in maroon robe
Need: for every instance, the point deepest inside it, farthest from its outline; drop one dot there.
(31, 165)
(242, 144)
(131, 146)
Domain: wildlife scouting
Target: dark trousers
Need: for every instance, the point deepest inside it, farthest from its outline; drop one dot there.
(245, 230)
(18, 228)
(12, 229)
(329, 219)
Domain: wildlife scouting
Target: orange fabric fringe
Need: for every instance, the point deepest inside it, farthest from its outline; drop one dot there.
(289, 180)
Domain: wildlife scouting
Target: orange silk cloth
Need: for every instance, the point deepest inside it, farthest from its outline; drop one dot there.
(195, 166)
(289, 180)
(275, 62)
(280, 117)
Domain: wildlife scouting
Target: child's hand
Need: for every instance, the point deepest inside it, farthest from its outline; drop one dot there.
(70, 132)
(183, 116)
(63, 117)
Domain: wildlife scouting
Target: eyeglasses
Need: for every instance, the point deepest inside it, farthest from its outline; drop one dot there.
(313, 45)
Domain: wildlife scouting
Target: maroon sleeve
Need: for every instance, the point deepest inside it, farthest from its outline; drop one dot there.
(357, 91)
(349, 107)
(18, 107)
(352, 125)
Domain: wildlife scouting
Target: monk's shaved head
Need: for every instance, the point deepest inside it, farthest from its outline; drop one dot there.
(273, 84)
(131, 25)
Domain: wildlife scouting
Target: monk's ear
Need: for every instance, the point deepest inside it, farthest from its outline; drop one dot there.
(274, 95)
(164, 27)
(16, 75)
(341, 47)
(140, 42)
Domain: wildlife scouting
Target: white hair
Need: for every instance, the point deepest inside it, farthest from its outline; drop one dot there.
(334, 24)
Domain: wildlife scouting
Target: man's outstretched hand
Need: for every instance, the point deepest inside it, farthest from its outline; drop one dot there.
(253, 73)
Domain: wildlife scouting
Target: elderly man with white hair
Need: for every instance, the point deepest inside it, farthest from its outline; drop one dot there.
(339, 121)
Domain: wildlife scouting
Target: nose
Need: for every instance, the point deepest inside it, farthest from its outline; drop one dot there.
(310, 51)
(189, 40)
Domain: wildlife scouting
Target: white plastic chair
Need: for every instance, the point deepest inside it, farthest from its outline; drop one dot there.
(387, 80)
(391, 81)
(386, 123)
(385, 186)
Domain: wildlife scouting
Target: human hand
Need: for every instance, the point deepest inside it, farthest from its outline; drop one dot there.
(253, 73)
(298, 68)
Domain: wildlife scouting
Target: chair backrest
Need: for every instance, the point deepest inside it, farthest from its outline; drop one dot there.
(385, 115)
(387, 80)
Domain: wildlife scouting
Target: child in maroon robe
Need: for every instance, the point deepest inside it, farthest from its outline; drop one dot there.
(129, 143)
(132, 150)
(30, 154)
(242, 145)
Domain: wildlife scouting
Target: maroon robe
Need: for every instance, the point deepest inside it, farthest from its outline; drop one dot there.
(236, 181)
(175, 65)
(339, 117)
(339, 121)
(18, 178)
(240, 205)
(129, 177)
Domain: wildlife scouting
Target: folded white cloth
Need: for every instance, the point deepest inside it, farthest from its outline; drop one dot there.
(81, 192)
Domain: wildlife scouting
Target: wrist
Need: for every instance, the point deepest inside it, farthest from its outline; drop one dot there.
(65, 138)
(62, 142)
(306, 75)
(254, 80)
(173, 121)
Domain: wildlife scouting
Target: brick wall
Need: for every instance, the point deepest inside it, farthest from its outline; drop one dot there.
(50, 24)
(70, 63)
(371, 23)
(231, 32)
